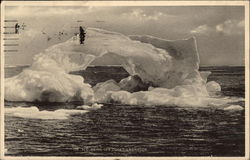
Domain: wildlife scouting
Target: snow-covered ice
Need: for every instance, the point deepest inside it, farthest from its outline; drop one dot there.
(161, 72)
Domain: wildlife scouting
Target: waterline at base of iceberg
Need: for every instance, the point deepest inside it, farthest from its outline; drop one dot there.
(161, 72)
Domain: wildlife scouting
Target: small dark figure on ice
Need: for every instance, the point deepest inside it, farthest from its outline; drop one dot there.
(17, 27)
(82, 35)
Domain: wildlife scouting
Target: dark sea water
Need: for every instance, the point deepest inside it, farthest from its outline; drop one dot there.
(123, 130)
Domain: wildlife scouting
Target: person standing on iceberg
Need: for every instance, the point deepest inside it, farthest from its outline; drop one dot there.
(17, 27)
(82, 35)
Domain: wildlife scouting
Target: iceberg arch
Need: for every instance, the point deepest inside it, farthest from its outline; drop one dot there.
(171, 67)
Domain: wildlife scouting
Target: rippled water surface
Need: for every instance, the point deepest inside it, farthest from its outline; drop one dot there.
(122, 130)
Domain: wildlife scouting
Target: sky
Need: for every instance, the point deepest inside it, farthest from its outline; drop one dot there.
(219, 30)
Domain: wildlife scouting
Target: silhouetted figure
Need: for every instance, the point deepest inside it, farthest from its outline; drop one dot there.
(17, 28)
(82, 35)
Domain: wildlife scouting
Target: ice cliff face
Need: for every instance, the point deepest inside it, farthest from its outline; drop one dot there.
(184, 57)
(169, 67)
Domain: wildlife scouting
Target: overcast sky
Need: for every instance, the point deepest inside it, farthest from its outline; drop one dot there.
(219, 30)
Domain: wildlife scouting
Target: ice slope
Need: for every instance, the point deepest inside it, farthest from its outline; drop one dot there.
(169, 67)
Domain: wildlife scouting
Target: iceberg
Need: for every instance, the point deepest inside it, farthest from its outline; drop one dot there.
(33, 112)
(234, 108)
(161, 72)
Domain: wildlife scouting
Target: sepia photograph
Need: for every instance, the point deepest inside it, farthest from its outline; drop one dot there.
(124, 79)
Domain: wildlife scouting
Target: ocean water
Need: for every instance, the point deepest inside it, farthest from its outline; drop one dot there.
(123, 130)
